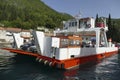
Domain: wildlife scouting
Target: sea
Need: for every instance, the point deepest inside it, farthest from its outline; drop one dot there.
(21, 67)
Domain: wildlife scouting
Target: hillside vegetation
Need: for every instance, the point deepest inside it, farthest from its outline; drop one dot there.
(29, 14)
(114, 30)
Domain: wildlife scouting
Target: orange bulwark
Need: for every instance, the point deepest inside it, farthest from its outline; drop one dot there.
(63, 64)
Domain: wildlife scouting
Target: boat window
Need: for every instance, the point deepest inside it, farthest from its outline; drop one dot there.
(88, 40)
(83, 24)
(74, 42)
(79, 23)
(70, 24)
(93, 42)
(70, 43)
(75, 23)
(102, 42)
(64, 43)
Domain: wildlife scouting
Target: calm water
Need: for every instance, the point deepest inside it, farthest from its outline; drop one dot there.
(19, 67)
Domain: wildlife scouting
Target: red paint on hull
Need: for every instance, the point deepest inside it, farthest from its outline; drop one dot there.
(77, 61)
(65, 64)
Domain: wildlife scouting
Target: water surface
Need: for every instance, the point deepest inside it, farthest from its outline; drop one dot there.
(18, 67)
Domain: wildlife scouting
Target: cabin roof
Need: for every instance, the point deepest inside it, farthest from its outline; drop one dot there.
(69, 37)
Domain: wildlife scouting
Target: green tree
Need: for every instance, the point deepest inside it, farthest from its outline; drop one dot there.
(96, 20)
(110, 28)
(113, 31)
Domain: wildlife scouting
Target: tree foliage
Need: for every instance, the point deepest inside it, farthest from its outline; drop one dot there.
(29, 14)
(113, 29)
(96, 20)
(110, 27)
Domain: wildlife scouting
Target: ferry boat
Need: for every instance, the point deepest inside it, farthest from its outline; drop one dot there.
(79, 42)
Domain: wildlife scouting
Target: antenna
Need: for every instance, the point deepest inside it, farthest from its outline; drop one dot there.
(78, 16)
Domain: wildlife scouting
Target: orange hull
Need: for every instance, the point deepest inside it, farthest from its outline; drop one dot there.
(64, 64)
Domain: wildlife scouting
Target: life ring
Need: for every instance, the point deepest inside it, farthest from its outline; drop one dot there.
(89, 25)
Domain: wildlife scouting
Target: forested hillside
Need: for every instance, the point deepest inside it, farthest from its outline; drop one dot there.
(28, 14)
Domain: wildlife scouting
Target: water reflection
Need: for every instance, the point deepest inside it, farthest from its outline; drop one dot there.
(107, 69)
(71, 74)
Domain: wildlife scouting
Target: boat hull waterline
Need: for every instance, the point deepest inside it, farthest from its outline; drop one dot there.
(64, 64)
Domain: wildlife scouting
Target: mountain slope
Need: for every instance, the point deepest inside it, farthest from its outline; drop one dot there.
(29, 14)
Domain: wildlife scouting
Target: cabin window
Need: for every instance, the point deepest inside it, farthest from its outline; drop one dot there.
(72, 24)
(70, 43)
(102, 42)
(89, 41)
(83, 24)
(64, 42)
(66, 26)
(79, 24)
(75, 23)
(73, 43)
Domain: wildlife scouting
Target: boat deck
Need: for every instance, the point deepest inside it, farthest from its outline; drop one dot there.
(44, 59)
